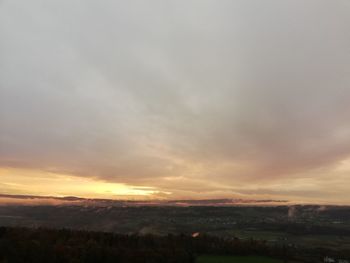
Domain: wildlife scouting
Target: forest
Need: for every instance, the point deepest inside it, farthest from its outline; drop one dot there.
(38, 245)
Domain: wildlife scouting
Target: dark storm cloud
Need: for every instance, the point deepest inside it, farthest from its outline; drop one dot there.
(140, 91)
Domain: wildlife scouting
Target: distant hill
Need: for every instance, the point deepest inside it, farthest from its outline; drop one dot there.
(71, 200)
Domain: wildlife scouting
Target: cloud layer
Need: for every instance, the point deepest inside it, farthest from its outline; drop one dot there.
(198, 98)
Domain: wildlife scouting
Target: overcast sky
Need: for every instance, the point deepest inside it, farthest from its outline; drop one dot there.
(191, 99)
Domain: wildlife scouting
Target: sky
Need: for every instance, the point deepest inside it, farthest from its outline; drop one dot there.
(174, 99)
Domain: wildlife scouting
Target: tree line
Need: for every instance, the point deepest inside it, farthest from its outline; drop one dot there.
(18, 245)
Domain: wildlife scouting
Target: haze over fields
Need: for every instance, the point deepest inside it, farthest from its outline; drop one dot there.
(170, 100)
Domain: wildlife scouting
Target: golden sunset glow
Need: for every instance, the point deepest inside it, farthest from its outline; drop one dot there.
(22, 181)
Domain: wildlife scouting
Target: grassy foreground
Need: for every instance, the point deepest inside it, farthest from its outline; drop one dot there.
(236, 259)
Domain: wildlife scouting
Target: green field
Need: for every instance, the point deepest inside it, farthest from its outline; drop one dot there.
(236, 259)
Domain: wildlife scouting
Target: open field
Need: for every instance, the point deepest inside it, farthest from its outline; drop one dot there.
(236, 259)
